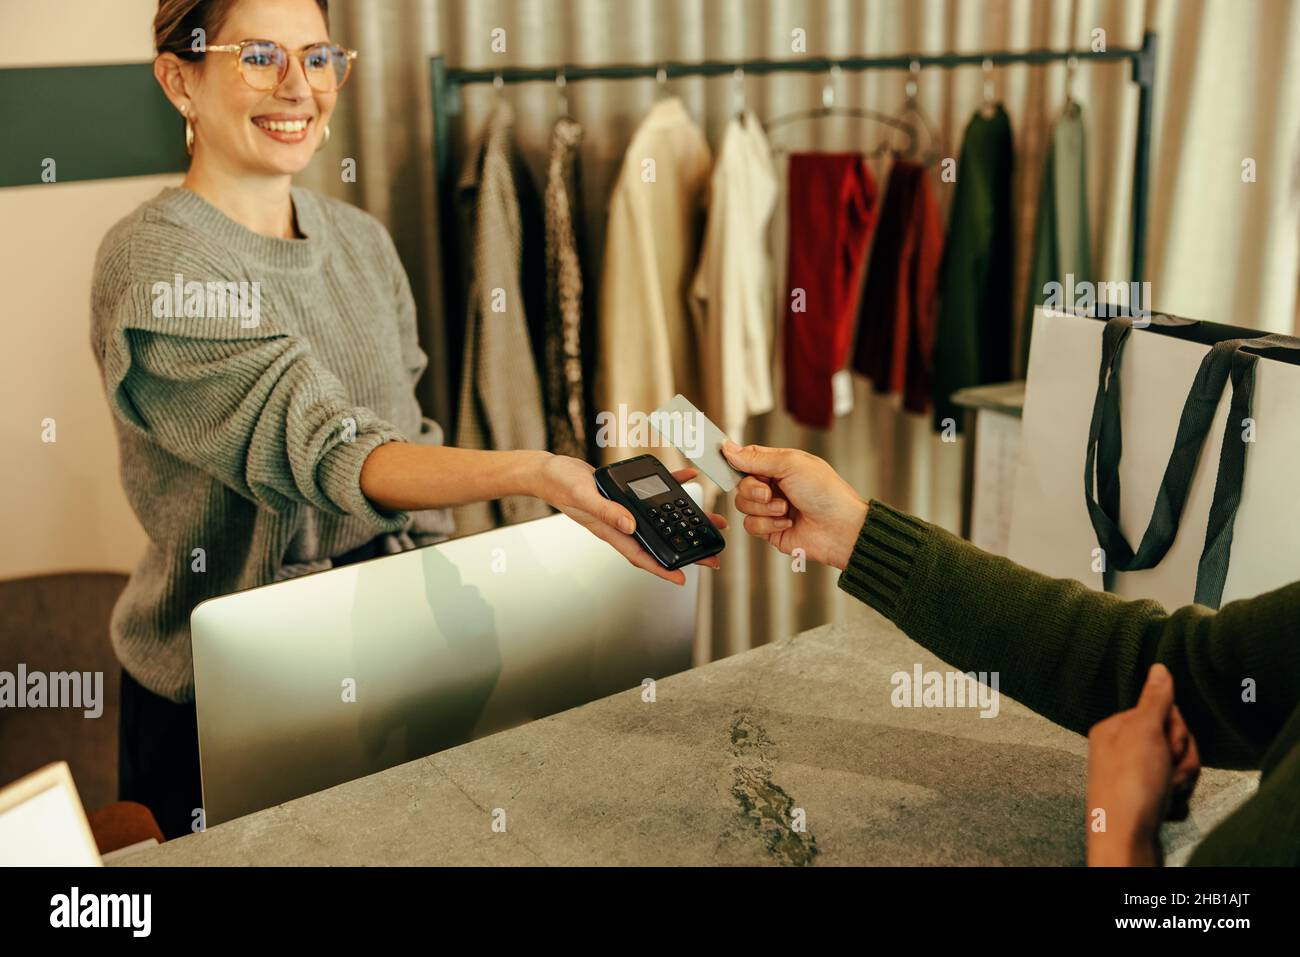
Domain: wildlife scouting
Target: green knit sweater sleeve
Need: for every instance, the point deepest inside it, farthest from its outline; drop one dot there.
(1266, 829)
(1077, 655)
(241, 399)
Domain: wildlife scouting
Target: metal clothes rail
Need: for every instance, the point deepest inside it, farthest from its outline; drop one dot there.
(447, 83)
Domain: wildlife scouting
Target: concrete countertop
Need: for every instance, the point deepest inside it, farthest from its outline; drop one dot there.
(712, 772)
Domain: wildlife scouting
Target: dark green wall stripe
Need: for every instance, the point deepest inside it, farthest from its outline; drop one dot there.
(95, 122)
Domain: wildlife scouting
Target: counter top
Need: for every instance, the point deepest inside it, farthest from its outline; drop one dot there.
(713, 771)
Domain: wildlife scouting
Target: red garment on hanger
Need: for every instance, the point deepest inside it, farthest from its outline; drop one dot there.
(898, 313)
(832, 212)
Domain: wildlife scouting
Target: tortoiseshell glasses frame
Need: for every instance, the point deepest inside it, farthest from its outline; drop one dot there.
(264, 64)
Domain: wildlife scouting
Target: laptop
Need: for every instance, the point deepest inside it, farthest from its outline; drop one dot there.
(304, 684)
(43, 824)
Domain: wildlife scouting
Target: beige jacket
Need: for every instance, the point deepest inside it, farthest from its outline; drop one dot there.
(647, 344)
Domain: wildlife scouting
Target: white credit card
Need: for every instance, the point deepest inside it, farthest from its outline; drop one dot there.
(687, 429)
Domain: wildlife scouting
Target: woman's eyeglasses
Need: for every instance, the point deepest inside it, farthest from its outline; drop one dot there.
(264, 64)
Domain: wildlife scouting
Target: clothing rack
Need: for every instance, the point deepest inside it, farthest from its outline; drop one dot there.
(447, 83)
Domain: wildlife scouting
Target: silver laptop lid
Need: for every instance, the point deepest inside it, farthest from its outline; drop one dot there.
(311, 682)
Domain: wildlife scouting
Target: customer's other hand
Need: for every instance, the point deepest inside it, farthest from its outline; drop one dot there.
(794, 499)
(1142, 768)
(568, 484)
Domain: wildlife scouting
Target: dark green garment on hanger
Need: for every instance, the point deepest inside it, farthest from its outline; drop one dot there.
(1061, 240)
(973, 339)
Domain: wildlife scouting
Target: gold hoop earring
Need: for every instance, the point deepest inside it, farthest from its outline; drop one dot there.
(324, 139)
(189, 137)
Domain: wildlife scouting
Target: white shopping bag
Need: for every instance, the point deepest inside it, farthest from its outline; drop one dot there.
(1052, 530)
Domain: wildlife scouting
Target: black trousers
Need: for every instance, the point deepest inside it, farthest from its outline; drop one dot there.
(158, 757)
(158, 745)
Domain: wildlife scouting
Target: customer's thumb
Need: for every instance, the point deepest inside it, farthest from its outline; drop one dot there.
(1157, 695)
(757, 459)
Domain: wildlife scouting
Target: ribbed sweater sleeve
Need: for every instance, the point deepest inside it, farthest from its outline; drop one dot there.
(245, 402)
(1076, 655)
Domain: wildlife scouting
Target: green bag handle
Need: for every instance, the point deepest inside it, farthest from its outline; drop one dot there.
(1227, 361)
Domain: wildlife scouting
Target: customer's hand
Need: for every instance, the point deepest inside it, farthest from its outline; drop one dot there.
(1142, 768)
(568, 484)
(793, 499)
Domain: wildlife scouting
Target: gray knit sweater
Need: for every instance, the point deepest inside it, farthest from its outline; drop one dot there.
(244, 412)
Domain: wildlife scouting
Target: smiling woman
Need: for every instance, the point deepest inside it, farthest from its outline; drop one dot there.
(258, 89)
(260, 444)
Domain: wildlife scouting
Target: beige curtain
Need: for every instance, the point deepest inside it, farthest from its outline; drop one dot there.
(1228, 91)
